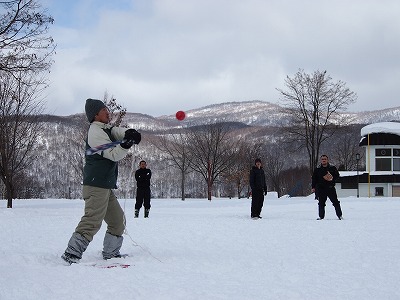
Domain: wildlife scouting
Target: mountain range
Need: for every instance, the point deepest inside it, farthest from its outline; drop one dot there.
(251, 113)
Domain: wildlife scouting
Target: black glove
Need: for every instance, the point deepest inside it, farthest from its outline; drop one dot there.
(127, 144)
(131, 137)
(265, 192)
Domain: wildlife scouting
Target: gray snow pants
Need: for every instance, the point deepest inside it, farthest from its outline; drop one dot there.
(100, 204)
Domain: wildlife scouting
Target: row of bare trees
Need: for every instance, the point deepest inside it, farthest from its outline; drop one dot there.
(217, 154)
(208, 150)
(26, 52)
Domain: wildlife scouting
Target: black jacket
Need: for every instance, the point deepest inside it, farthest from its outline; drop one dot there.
(257, 179)
(319, 182)
(143, 178)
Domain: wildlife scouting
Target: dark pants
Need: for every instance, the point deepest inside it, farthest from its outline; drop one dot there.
(142, 198)
(330, 193)
(257, 201)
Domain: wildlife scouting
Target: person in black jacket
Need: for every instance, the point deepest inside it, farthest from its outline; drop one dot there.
(323, 185)
(142, 176)
(258, 189)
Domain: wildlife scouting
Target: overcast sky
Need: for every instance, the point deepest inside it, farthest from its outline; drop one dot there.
(160, 56)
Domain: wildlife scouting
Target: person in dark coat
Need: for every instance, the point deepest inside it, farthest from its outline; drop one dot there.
(258, 189)
(142, 176)
(323, 185)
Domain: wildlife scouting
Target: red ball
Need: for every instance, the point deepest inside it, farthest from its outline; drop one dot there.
(180, 115)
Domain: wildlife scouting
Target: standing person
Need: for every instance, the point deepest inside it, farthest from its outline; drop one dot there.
(258, 189)
(99, 179)
(323, 185)
(142, 176)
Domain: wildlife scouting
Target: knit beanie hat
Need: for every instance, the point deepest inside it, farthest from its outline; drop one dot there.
(92, 107)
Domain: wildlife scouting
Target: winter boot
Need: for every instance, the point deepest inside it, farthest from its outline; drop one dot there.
(136, 213)
(70, 258)
(76, 246)
(146, 213)
(321, 210)
(111, 246)
(338, 210)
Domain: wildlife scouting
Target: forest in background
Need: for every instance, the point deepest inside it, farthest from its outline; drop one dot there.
(56, 171)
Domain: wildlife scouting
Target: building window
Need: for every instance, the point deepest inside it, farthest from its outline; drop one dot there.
(383, 152)
(396, 152)
(383, 164)
(396, 164)
(379, 191)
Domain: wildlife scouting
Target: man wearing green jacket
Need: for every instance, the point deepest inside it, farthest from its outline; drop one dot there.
(99, 179)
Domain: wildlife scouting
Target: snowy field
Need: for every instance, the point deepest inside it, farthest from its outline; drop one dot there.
(197, 249)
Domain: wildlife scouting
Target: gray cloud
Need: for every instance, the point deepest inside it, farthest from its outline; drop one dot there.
(157, 57)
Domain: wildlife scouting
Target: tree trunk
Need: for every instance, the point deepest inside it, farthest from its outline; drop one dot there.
(9, 202)
(9, 194)
(183, 186)
(209, 182)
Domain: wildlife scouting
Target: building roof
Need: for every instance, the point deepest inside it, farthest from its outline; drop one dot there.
(384, 133)
(383, 127)
(372, 173)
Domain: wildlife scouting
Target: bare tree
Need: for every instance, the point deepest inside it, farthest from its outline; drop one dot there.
(25, 45)
(117, 111)
(20, 127)
(274, 163)
(25, 52)
(239, 171)
(212, 152)
(127, 183)
(345, 148)
(76, 148)
(296, 181)
(314, 101)
(175, 145)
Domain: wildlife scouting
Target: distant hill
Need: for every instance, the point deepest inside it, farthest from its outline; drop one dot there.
(252, 113)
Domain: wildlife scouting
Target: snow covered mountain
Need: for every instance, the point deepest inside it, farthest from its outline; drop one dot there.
(252, 113)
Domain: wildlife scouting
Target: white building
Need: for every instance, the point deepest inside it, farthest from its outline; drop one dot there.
(380, 144)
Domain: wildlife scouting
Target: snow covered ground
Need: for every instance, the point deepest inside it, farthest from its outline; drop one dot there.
(197, 249)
